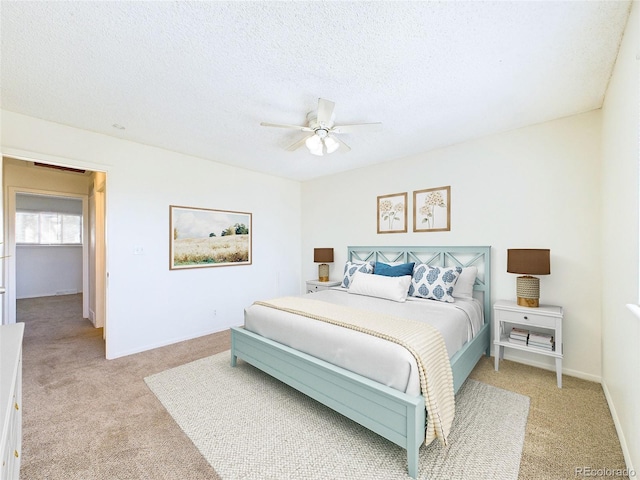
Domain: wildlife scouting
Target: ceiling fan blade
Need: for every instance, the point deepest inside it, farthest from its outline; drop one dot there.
(343, 146)
(299, 143)
(286, 125)
(357, 127)
(325, 111)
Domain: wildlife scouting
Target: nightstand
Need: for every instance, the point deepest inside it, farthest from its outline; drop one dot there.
(545, 319)
(316, 285)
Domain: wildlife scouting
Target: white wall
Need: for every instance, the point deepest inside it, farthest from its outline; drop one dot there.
(149, 305)
(620, 242)
(536, 187)
(43, 271)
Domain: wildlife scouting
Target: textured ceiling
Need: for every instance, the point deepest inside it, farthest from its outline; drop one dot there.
(199, 77)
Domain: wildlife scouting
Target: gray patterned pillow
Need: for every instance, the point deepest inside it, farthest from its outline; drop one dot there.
(350, 268)
(434, 283)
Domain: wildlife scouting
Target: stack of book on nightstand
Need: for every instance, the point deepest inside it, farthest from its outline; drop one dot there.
(541, 340)
(518, 336)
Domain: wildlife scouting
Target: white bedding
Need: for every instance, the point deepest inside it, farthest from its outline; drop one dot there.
(382, 361)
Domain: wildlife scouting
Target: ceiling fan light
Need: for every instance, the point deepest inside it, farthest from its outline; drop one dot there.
(316, 151)
(313, 143)
(331, 144)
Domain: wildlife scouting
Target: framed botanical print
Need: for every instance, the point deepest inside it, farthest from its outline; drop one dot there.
(432, 210)
(392, 213)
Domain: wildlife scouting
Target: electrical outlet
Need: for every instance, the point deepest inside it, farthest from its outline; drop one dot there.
(215, 313)
(138, 250)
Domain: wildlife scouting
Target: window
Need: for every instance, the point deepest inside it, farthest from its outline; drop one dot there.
(48, 228)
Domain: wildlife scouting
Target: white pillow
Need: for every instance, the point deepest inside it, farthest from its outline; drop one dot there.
(380, 286)
(352, 267)
(464, 285)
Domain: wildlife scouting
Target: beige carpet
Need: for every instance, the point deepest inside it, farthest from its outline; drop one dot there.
(243, 413)
(87, 418)
(568, 428)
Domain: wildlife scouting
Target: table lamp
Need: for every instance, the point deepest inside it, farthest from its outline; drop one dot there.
(323, 256)
(528, 262)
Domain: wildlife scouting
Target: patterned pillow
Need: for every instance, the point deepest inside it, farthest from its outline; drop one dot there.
(435, 283)
(351, 267)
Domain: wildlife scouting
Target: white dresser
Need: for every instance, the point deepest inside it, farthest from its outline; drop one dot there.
(11, 399)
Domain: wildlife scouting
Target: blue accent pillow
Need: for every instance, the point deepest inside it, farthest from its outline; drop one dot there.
(393, 270)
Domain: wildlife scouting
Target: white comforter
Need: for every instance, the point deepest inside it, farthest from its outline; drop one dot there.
(382, 361)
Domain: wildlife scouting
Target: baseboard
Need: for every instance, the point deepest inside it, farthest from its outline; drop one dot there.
(125, 353)
(69, 292)
(565, 371)
(619, 430)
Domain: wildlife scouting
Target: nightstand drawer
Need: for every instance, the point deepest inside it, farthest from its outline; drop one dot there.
(532, 319)
(317, 286)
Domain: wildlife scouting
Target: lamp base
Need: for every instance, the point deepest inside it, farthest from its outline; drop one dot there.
(323, 272)
(528, 291)
(528, 302)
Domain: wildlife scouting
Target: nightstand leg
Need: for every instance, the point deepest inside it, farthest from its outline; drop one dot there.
(559, 371)
(498, 354)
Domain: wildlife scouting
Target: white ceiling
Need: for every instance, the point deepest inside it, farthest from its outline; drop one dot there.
(199, 77)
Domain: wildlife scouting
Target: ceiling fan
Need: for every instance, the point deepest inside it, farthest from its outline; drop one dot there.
(321, 130)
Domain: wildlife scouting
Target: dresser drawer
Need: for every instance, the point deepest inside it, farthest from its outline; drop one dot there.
(533, 319)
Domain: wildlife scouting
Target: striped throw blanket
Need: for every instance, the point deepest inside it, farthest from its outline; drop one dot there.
(423, 341)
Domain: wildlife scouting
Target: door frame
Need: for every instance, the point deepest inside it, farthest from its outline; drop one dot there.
(30, 156)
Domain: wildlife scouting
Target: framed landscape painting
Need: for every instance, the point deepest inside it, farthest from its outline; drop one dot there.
(432, 210)
(392, 213)
(203, 237)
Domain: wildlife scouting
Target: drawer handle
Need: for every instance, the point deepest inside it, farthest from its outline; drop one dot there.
(526, 318)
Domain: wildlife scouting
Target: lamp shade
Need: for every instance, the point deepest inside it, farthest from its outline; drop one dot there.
(331, 144)
(529, 261)
(323, 255)
(313, 142)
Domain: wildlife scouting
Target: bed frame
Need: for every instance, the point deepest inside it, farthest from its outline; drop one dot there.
(390, 413)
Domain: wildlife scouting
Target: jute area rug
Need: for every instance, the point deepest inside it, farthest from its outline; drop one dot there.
(251, 426)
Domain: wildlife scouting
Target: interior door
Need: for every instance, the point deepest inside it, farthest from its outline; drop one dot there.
(100, 251)
(5, 273)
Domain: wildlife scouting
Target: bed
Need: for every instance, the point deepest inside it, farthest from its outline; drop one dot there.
(398, 416)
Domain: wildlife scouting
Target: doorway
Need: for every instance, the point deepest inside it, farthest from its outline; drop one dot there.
(55, 185)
